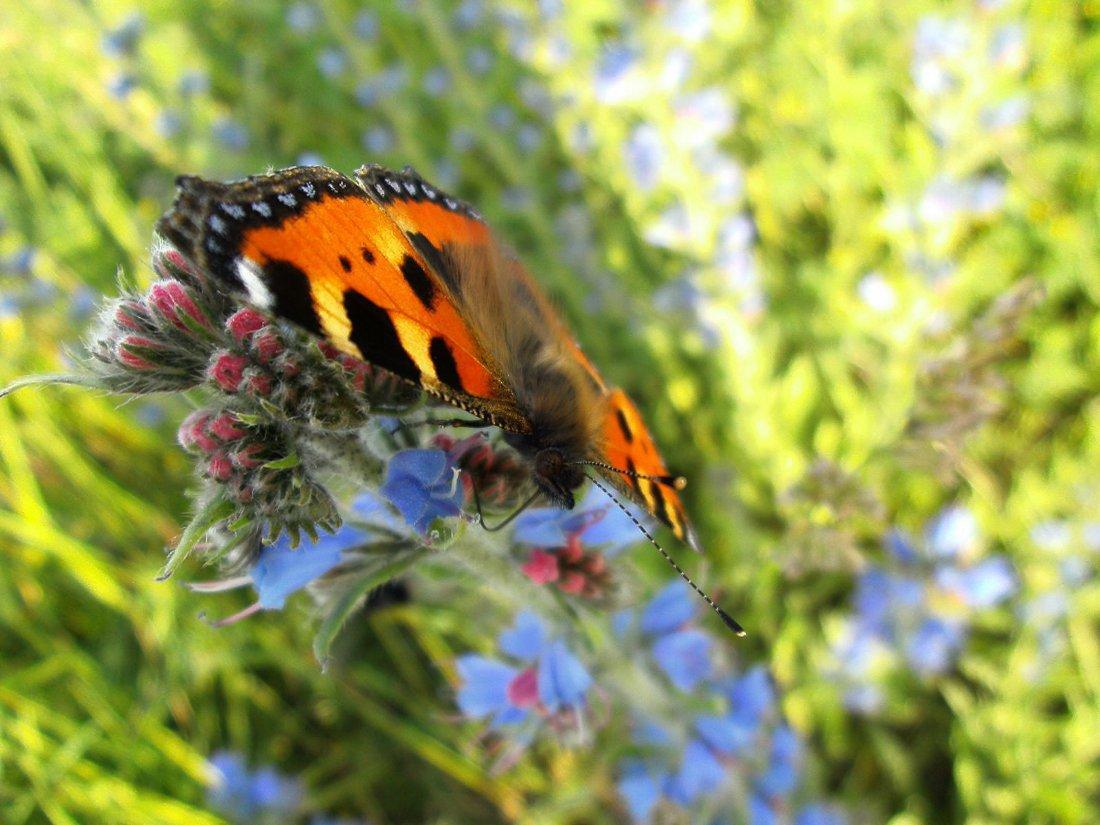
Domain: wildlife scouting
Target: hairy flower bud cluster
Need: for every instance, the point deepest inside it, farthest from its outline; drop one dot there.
(256, 468)
(496, 473)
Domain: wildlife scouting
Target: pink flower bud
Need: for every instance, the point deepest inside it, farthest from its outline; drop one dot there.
(220, 467)
(192, 433)
(244, 322)
(129, 352)
(542, 567)
(227, 370)
(130, 315)
(572, 552)
(226, 427)
(595, 564)
(246, 458)
(572, 582)
(173, 301)
(266, 345)
(260, 384)
(328, 350)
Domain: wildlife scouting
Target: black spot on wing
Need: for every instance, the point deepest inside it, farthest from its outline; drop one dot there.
(631, 478)
(662, 504)
(624, 426)
(374, 334)
(419, 281)
(443, 360)
(436, 260)
(293, 297)
(368, 256)
(345, 264)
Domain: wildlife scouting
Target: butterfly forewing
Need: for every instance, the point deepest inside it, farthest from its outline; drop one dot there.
(312, 248)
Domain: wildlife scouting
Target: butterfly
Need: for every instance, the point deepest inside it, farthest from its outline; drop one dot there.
(398, 273)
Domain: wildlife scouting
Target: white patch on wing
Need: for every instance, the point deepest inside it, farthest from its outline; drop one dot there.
(253, 279)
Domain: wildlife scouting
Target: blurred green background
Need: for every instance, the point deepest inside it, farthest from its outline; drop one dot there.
(844, 255)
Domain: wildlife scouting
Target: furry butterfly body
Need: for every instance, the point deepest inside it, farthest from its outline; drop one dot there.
(391, 270)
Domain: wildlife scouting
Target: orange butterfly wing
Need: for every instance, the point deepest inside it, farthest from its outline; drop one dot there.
(629, 446)
(311, 247)
(432, 220)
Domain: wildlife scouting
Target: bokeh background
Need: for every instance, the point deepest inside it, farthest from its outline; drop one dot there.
(843, 254)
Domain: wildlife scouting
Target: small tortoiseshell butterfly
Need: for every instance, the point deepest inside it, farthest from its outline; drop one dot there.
(392, 270)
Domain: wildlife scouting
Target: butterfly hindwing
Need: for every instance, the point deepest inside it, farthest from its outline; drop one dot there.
(309, 246)
(627, 444)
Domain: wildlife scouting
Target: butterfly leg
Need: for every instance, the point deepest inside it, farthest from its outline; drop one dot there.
(469, 423)
(509, 519)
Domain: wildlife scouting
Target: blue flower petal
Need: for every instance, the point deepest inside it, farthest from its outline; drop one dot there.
(369, 507)
(900, 545)
(563, 680)
(671, 608)
(421, 485)
(539, 527)
(426, 466)
(524, 640)
(280, 571)
(614, 530)
(761, 811)
(640, 790)
(725, 734)
(952, 532)
(485, 685)
(933, 647)
(752, 697)
(782, 775)
(700, 774)
(272, 792)
(684, 657)
(509, 716)
(818, 814)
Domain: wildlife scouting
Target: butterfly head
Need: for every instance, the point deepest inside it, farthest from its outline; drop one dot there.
(556, 477)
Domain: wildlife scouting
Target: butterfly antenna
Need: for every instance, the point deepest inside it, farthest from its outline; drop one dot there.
(676, 482)
(726, 618)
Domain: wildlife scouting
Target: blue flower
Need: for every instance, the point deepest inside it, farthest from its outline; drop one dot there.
(230, 134)
(243, 795)
(124, 38)
(484, 690)
(617, 77)
(596, 519)
(683, 653)
(644, 153)
(553, 680)
(983, 585)
(302, 17)
(423, 486)
(641, 788)
(281, 571)
(379, 140)
(700, 774)
(933, 648)
(479, 60)
(193, 83)
(952, 533)
(819, 814)
(684, 656)
(120, 86)
(332, 62)
(365, 25)
(563, 681)
(437, 81)
(784, 763)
